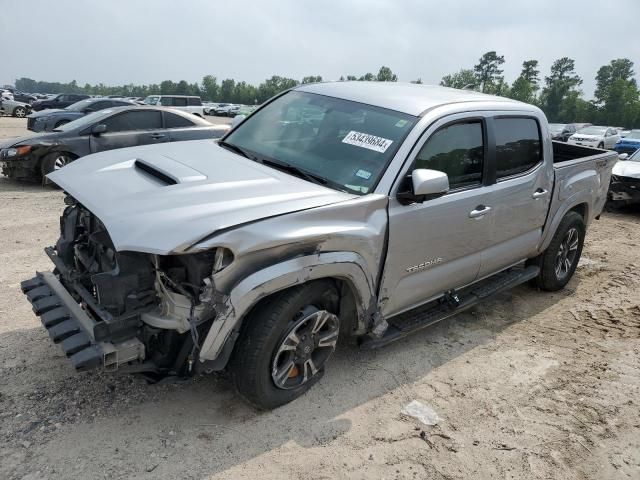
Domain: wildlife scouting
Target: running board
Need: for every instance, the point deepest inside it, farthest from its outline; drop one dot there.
(402, 325)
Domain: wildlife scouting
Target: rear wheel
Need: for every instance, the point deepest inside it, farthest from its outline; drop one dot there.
(20, 112)
(560, 260)
(286, 344)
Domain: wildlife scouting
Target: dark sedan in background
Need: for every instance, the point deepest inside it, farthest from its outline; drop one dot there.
(59, 101)
(562, 131)
(50, 119)
(31, 158)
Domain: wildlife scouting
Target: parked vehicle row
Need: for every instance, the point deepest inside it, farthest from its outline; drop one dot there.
(358, 209)
(50, 119)
(32, 158)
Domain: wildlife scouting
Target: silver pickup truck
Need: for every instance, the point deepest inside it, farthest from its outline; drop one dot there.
(348, 209)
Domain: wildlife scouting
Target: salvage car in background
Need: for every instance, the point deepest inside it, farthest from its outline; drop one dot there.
(14, 108)
(595, 137)
(258, 252)
(50, 119)
(561, 131)
(31, 158)
(62, 100)
(625, 180)
(629, 143)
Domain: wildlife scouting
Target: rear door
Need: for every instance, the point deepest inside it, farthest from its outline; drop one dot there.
(130, 128)
(180, 128)
(437, 245)
(522, 192)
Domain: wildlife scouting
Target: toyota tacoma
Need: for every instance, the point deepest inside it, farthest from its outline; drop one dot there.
(346, 209)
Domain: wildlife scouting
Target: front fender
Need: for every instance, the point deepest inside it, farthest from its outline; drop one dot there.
(230, 312)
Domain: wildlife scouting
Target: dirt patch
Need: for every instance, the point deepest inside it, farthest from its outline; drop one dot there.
(529, 385)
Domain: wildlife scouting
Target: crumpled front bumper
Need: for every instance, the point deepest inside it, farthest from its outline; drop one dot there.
(73, 329)
(624, 189)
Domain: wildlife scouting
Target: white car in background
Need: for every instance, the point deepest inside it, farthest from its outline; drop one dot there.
(186, 103)
(595, 137)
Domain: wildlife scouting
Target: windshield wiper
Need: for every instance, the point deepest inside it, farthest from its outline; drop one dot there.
(298, 172)
(234, 148)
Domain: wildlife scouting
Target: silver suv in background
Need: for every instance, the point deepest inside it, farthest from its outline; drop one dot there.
(187, 103)
(347, 209)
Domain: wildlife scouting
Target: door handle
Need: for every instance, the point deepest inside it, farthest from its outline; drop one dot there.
(479, 211)
(157, 135)
(541, 192)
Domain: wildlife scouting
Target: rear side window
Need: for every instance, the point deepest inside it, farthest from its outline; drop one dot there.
(195, 101)
(458, 151)
(140, 120)
(518, 145)
(172, 120)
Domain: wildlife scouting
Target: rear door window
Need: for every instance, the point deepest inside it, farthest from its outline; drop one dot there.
(172, 120)
(195, 101)
(458, 151)
(518, 145)
(135, 120)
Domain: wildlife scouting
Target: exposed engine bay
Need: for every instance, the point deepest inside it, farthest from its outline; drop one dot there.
(147, 312)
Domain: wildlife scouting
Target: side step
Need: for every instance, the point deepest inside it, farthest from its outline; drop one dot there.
(402, 325)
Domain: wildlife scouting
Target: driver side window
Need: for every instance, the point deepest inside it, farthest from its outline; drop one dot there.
(458, 151)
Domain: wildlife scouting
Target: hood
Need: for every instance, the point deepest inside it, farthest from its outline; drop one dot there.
(625, 168)
(46, 113)
(165, 198)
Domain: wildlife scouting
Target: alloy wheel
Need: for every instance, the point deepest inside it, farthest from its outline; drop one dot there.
(567, 253)
(305, 348)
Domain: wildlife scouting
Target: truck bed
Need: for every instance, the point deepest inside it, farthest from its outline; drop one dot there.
(565, 152)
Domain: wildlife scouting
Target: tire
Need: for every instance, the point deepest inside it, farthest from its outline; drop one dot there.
(60, 123)
(260, 365)
(559, 261)
(20, 112)
(54, 161)
(601, 146)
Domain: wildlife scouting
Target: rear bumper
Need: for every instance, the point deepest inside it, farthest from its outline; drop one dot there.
(74, 329)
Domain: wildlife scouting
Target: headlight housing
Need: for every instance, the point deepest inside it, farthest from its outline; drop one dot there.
(16, 151)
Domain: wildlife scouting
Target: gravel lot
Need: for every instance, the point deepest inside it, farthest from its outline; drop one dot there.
(530, 385)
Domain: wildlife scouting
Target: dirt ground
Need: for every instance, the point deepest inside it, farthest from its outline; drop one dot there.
(530, 385)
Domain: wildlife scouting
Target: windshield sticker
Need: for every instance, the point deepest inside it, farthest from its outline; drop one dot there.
(401, 123)
(364, 140)
(363, 174)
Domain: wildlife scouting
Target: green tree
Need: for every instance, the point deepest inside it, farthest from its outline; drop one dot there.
(368, 77)
(210, 87)
(561, 82)
(526, 86)
(418, 81)
(616, 95)
(465, 78)
(226, 90)
(488, 72)
(386, 75)
(167, 87)
(312, 79)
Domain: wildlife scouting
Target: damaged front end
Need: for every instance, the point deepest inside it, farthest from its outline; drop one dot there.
(132, 311)
(624, 190)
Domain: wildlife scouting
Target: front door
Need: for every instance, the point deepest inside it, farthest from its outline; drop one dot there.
(437, 245)
(129, 129)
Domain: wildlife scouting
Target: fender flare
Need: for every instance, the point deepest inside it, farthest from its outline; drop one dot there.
(231, 311)
(578, 199)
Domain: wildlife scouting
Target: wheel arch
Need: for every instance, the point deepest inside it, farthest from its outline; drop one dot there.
(578, 205)
(355, 287)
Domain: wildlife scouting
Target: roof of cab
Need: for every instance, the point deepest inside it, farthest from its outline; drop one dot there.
(411, 98)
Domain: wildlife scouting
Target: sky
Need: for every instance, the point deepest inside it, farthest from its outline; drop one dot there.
(142, 41)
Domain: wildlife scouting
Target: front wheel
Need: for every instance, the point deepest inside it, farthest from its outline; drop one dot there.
(285, 344)
(53, 162)
(20, 112)
(559, 261)
(601, 146)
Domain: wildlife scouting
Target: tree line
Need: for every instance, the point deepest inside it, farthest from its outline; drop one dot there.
(616, 99)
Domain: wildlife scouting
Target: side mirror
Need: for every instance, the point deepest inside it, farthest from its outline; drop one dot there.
(623, 156)
(426, 184)
(98, 129)
(237, 120)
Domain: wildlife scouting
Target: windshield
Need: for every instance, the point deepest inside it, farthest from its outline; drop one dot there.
(83, 121)
(634, 134)
(151, 100)
(79, 106)
(593, 130)
(346, 143)
(556, 127)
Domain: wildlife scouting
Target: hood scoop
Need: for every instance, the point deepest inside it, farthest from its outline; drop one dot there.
(168, 171)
